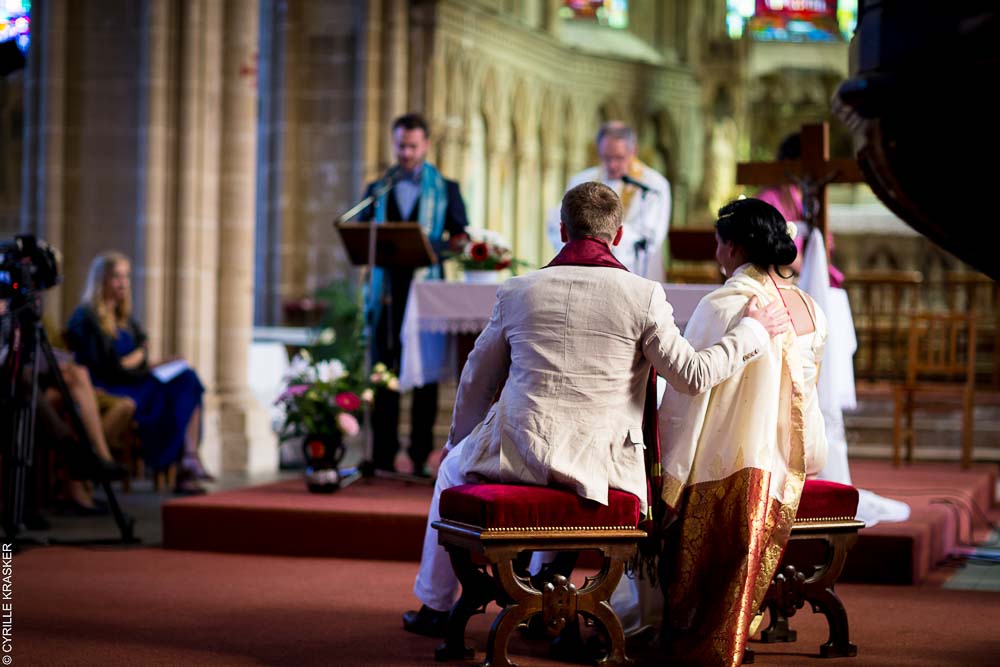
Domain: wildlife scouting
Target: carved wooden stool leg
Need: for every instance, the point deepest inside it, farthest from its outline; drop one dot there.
(604, 615)
(593, 603)
(777, 629)
(822, 597)
(839, 644)
(784, 598)
(525, 602)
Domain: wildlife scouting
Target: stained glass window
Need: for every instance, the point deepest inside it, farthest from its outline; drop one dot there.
(612, 13)
(15, 22)
(792, 20)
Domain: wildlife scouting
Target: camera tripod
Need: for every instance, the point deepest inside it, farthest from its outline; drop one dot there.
(26, 345)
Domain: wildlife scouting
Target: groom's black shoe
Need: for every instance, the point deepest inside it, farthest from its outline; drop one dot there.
(427, 622)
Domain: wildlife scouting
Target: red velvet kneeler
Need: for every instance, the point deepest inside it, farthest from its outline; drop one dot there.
(489, 525)
(505, 506)
(827, 501)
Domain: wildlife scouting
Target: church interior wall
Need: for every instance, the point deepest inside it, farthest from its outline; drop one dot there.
(96, 187)
(12, 118)
(139, 118)
(316, 135)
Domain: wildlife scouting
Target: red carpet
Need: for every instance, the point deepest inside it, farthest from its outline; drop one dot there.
(153, 607)
(941, 497)
(384, 520)
(373, 519)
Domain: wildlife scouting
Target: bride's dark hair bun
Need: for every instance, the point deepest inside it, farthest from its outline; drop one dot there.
(759, 229)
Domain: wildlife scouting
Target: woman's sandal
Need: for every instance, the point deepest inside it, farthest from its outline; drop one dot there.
(187, 483)
(192, 467)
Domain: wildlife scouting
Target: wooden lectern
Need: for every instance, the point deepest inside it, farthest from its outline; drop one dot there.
(397, 244)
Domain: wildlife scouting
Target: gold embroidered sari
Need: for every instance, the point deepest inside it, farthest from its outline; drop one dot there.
(733, 469)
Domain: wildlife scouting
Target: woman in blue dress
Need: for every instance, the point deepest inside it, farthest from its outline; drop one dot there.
(111, 343)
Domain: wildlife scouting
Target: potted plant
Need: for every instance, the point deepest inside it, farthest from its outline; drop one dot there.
(325, 388)
(322, 402)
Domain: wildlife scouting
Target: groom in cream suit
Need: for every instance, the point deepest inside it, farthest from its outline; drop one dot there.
(572, 345)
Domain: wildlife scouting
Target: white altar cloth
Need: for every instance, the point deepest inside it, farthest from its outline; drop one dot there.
(437, 312)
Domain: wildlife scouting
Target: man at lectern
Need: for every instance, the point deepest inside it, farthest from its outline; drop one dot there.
(419, 194)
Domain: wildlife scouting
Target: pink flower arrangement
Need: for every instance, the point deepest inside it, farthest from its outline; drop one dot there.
(348, 401)
(324, 397)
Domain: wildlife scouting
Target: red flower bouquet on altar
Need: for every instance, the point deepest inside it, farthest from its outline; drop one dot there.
(486, 250)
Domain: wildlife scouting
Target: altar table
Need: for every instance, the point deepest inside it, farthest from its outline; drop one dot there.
(439, 313)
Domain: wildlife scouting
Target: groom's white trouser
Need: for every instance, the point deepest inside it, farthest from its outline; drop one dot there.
(436, 585)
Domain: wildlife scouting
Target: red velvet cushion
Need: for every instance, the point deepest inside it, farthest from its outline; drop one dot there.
(827, 500)
(521, 506)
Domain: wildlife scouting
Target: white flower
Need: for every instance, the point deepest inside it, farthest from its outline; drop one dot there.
(327, 336)
(368, 395)
(393, 385)
(330, 370)
(299, 368)
(793, 229)
(489, 237)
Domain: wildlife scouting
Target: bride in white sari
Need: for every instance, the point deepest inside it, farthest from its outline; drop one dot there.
(734, 458)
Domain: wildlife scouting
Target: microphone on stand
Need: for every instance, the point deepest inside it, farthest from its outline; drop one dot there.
(391, 175)
(628, 180)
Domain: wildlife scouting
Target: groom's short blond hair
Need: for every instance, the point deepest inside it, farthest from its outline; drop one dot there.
(591, 209)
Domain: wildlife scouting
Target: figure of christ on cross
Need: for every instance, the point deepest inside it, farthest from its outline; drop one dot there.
(811, 173)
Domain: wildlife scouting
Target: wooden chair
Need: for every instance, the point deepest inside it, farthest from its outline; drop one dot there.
(941, 366)
(490, 525)
(881, 301)
(131, 458)
(825, 519)
(974, 292)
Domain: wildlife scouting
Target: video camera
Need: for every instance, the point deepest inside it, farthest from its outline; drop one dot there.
(27, 265)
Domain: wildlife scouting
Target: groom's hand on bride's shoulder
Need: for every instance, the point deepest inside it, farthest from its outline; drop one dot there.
(774, 316)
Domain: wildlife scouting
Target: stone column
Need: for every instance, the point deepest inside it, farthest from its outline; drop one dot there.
(45, 92)
(374, 145)
(553, 167)
(396, 41)
(159, 88)
(580, 131)
(527, 221)
(499, 203)
(198, 185)
(498, 137)
(248, 445)
(450, 138)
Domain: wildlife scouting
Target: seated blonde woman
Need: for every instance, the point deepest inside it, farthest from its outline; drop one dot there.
(735, 458)
(108, 340)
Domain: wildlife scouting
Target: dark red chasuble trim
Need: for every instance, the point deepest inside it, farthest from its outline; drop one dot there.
(587, 251)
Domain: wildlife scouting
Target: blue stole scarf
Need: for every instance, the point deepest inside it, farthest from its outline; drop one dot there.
(432, 205)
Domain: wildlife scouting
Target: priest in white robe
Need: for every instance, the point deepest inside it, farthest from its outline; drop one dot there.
(645, 196)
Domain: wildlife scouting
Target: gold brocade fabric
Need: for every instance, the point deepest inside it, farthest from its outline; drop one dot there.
(635, 170)
(720, 557)
(734, 466)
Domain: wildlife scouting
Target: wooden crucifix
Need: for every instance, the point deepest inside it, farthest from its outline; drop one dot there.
(812, 173)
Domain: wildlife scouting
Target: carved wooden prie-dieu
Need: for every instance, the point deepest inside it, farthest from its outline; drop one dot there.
(486, 561)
